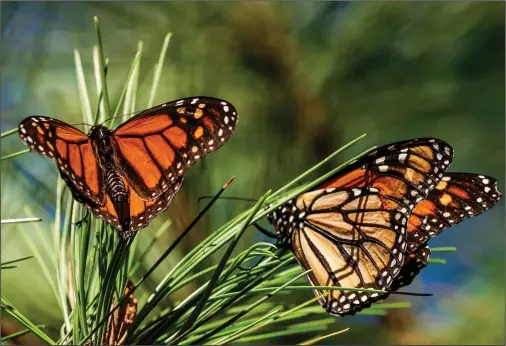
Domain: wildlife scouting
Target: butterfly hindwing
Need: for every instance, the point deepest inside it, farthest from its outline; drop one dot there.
(350, 238)
(72, 150)
(141, 211)
(156, 147)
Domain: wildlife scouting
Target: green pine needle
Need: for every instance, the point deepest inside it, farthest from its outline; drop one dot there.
(18, 153)
(23, 220)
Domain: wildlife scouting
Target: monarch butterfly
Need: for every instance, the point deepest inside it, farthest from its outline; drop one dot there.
(352, 229)
(129, 175)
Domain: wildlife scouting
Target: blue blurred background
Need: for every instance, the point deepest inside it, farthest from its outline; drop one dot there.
(306, 78)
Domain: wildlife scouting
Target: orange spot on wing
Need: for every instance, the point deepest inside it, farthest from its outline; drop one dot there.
(161, 150)
(135, 153)
(423, 151)
(50, 146)
(209, 124)
(442, 185)
(177, 136)
(91, 168)
(198, 113)
(425, 208)
(75, 159)
(40, 130)
(198, 132)
(390, 186)
(421, 164)
(69, 134)
(445, 199)
(61, 146)
(458, 192)
(414, 223)
(145, 126)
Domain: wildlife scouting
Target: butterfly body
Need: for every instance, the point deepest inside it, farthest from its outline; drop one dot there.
(115, 188)
(129, 175)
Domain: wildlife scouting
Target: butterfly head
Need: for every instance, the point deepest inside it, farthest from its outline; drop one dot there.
(284, 220)
(101, 136)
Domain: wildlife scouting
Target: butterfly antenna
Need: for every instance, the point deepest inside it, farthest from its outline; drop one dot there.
(84, 124)
(258, 262)
(80, 222)
(412, 294)
(264, 231)
(122, 115)
(230, 198)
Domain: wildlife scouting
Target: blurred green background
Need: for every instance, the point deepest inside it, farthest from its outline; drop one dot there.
(306, 78)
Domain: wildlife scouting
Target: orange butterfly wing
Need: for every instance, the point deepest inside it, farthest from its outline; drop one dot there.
(73, 153)
(155, 148)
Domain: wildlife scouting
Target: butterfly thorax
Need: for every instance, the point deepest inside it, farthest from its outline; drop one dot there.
(283, 221)
(101, 138)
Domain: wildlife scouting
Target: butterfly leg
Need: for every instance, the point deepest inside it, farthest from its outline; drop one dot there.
(252, 267)
(80, 222)
(264, 231)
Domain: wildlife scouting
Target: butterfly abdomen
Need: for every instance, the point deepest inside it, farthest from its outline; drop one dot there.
(118, 194)
(116, 188)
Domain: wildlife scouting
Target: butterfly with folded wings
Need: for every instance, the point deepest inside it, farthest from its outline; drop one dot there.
(367, 225)
(128, 176)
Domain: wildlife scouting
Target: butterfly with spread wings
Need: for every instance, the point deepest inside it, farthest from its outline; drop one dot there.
(352, 229)
(129, 175)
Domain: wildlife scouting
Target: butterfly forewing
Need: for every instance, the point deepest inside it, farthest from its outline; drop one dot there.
(407, 170)
(72, 150)
(156, 147)
(457, 197)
